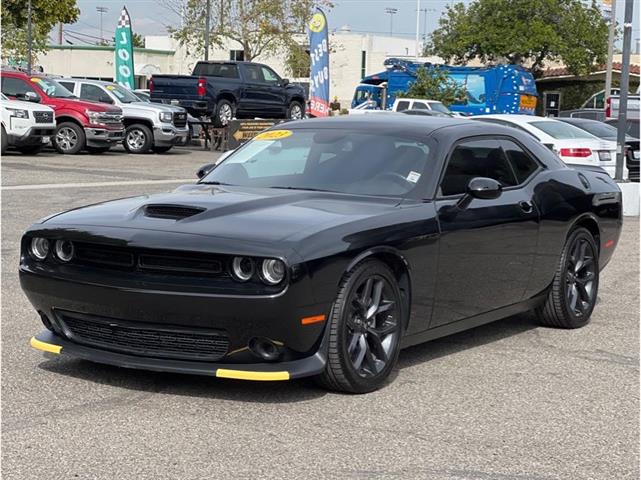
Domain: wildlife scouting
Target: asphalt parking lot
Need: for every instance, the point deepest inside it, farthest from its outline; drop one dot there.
(509, 400)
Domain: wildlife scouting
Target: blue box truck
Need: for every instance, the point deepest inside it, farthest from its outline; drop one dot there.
(495, 89)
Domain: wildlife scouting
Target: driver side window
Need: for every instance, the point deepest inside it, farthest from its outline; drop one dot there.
(476, 158)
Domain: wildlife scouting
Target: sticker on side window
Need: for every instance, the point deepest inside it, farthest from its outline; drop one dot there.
(273, 135)
(413, 176)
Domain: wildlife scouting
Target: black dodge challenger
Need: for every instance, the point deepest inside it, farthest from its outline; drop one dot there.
(323, 247)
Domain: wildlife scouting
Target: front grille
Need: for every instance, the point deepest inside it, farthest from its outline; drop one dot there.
(180, 119)
(142, 339)
(109, 118)
(43, 117)
(172, 212)
(150, 261)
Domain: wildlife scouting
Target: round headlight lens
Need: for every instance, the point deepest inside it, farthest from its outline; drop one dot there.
(242, 268)
(272, 271)
(39, 248)
(64, 250)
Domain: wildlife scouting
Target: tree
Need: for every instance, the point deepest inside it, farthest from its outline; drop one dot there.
(435, 84)
(45, 14)
(523, 32)
(260, 26)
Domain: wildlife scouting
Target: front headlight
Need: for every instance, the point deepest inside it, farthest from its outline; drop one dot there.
(272, 271)
(18, 113)
(94, 117)
(166, 116)
(39, 248)
(242, 268)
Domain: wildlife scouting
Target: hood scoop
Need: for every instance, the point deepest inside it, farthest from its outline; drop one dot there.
(171, 212)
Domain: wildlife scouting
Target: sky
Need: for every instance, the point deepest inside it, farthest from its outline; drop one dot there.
(151, 17)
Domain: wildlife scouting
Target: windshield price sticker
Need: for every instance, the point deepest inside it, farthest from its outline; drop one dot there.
(273, 135)
(413, 176)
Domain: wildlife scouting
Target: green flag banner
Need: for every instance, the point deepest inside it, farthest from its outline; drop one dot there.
(124, 51)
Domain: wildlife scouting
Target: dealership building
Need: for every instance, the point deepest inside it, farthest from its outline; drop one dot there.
(353, 55)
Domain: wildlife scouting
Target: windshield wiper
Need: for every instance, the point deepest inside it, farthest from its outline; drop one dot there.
(216, 182)
(309, 189)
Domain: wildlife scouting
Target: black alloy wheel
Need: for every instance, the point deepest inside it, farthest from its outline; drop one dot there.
(365, 330)
(573, 293)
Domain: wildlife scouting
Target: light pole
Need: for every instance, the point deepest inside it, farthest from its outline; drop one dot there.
(29, 37)
(391, 11)
(207, 13)
(418, 24)
(101, 10)
(608, 72)
(425, 11)
(625, 79)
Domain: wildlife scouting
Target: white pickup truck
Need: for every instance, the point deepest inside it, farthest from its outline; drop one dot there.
(404, 104)
(148, 126)
(26, 126)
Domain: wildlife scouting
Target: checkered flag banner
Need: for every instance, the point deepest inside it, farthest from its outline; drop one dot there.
(124, 21)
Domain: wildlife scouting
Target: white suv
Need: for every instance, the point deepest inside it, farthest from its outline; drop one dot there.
(148, 126)
(27, 126)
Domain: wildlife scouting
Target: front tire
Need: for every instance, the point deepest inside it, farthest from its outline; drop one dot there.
(138, 138)
(365, 330)
(295, 111)
(573, 293)
(69, 138)
(4, 141)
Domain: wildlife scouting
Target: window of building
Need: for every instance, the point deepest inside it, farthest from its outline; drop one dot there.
(237, 55)
(476, 158)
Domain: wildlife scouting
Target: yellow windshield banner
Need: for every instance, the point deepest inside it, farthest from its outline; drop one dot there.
(273, 135)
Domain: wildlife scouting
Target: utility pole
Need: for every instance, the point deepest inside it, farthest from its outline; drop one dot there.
(625, 80)
(613, 24)
(418, 23)
(59, 33)
(391, 11)
(207, 14)
(101, 10)
(425, 12)
(29, 38)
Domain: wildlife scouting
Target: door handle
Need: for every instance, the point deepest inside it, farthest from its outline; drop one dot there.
(527, 207)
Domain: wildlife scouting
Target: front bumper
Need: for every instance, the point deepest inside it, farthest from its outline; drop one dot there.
(167, 135)
(103, 137)
(36, 135)
(51, 343)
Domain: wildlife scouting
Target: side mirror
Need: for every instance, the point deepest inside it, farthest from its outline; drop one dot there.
(204, 170)
(105, 99)
(284, 82)
(482, 188)
(32, 97)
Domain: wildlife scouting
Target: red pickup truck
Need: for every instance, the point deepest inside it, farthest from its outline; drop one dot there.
(80, 125)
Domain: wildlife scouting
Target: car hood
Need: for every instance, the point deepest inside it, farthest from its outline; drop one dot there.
(94, 106)
(155, 108)
(257, 215)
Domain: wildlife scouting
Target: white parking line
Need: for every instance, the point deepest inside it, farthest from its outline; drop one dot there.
(49, 186)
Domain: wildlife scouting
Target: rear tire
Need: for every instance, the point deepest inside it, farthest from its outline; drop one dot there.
(31, 149)
(365, 330)
(225, 112)
(69, 138)
(4, 141)
(138, 138)
(572, 296)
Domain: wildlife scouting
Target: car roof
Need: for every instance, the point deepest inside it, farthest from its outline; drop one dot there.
(86, 80)
(577, 121)
(387, 123)
(516, 118)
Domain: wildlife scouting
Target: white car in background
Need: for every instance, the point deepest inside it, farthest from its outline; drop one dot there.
(572, 144)
(27, 126)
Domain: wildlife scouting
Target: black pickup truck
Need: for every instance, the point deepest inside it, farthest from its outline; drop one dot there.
(224, 90)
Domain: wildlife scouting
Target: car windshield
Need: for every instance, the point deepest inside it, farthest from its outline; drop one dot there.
(52, 88)
(439, 107)
(124, 95)
(354, 162)
(560, 130)
(3, 97)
